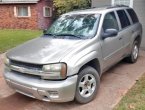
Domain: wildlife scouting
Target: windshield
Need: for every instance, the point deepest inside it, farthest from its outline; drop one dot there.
(81, 26)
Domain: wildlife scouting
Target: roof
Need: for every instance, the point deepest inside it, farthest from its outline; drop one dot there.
(17, 1)
(98, 10)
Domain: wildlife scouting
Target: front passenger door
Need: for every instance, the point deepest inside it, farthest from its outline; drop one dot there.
(111, 46)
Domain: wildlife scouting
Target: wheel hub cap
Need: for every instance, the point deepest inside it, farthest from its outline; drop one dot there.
(135, 52)
(87, 85)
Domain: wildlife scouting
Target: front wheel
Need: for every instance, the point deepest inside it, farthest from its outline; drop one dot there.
(87, 85)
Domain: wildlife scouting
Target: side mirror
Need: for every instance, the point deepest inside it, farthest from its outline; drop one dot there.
(110, 33)
(44, 31)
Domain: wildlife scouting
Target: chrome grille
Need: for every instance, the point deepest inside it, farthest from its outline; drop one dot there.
(26, 65)
(30, 69)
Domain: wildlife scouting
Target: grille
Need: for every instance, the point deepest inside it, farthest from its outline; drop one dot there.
(27, 65)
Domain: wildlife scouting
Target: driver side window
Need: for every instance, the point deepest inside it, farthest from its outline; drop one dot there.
(110, 22)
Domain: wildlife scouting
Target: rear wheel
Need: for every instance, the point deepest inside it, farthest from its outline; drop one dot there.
(87, 85)
(134, 53)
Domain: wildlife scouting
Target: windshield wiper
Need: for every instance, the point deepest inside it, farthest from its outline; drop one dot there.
(70, 35)
(49, 34)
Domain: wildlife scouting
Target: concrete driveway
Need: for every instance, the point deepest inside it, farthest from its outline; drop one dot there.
(114, 84)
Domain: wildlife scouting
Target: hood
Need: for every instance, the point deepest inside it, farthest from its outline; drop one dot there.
(43, 50)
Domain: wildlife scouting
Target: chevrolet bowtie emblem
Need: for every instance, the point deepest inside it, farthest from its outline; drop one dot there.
(17, 68)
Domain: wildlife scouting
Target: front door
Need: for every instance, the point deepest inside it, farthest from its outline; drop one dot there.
(112, 46)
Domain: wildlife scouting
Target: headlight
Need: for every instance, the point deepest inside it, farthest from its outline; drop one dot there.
(6, 61)
(55, 71)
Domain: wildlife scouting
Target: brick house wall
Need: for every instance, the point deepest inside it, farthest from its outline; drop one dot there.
(44, 22)
(36, 21)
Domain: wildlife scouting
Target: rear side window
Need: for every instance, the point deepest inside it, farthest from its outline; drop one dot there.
(133, 15)
(123, 18)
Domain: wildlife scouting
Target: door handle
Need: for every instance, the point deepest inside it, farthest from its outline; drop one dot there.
(132, 31)
(120, 38)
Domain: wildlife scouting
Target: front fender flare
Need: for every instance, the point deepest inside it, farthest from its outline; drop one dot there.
(84, 60)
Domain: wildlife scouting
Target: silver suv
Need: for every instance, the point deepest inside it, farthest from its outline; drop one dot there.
(66, 63)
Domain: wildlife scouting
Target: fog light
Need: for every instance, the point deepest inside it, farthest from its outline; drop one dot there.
(49, 94)
(43, 92)
(53, 94)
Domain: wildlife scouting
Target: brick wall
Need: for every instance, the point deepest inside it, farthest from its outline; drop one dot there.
(36, 21)
(44, 22)
(8, 20)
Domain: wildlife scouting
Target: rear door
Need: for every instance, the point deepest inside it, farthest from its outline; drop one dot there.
(125, 30)
(136, 28)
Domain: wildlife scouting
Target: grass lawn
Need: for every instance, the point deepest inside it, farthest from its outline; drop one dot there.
(135, 98)
(12, 38)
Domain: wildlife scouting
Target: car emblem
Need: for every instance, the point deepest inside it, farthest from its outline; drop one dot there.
(21, 69)
(16, 68)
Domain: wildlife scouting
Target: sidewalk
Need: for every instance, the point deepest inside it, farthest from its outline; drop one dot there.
(114, 84)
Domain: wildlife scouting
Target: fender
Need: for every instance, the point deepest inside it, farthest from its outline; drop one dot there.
(84, 60)
(135, 35)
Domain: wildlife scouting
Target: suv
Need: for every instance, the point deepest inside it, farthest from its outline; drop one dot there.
(66, 63)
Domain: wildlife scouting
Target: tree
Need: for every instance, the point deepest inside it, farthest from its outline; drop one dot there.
(63, 6)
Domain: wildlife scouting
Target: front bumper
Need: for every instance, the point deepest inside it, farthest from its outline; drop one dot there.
(53, 91)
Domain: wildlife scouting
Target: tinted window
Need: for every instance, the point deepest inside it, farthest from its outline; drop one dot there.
(132, 15)
(110, 22)
(123, 18)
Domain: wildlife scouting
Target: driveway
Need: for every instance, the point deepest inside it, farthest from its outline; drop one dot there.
(114, 84)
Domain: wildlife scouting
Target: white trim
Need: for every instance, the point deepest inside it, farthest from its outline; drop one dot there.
(16, 12)
(45, 10)
(113, 2)
(29, 11)
(18, 1)
(130, 5)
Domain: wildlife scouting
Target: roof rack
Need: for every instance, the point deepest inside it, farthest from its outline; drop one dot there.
(116, 6)
(109, 6)
(105, 7)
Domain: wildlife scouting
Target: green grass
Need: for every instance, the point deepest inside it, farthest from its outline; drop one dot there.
(12, 38)
(135, 98)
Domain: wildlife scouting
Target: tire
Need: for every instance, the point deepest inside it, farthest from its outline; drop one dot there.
(134, 53)
(87, 85)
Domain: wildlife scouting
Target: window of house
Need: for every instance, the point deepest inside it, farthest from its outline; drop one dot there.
(123, 18)
(47, 11)
(133, 15)
(123, 2)
(22, 11)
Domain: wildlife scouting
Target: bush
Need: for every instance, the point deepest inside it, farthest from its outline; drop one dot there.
(63, 6)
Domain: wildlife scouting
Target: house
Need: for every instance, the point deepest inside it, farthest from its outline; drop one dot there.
(138, 5)
(25, 14)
